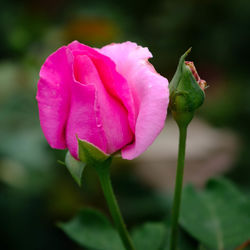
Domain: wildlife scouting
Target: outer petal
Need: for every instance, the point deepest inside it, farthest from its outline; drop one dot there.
(82, 119)
(150, 93)
(114, 83)
(53, 96)
(95, 115)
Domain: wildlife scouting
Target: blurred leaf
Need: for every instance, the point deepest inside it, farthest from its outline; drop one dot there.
(202, 247)
(219, 217)
(149, 236)
(90, 228)
(75, 167)
(186, 242)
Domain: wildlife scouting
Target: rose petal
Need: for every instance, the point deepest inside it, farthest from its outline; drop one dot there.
(53, 96)
(114, 83)
(149, 89)
(82, 119)
(95, 115)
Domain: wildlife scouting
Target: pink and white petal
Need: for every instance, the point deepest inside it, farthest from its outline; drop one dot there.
(126, 56)
(152, 113)
(119, 51)
(150, 93)
(114, 83)
(95, 116)
(53, 96)
(117, 86)
(114, 120)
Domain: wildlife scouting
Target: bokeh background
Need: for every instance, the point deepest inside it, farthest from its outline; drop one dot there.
(36, 191)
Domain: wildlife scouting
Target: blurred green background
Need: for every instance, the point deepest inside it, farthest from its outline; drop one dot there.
(35, 190)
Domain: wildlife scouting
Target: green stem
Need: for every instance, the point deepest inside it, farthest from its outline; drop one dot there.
(105, 180)
(178, 187)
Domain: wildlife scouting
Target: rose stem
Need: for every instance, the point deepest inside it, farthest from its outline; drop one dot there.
(114, 209)
(178, 187)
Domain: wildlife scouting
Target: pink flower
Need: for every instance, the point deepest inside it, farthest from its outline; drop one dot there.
(111, 97)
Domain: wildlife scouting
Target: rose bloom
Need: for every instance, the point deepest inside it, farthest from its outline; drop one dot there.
(111, 97)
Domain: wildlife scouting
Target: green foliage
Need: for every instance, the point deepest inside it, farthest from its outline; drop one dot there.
(91, 229)
(218, 217)
(75, 167)
(149, 236)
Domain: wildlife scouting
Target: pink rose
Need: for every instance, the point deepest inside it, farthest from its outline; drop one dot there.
(111, 97)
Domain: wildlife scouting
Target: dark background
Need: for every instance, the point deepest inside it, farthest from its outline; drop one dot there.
(35, 190)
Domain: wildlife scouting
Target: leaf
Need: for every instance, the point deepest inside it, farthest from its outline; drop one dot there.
(202, 247)
(184, 240)
(75, 167)
(219, 216)
(90, 228)
(149, 236)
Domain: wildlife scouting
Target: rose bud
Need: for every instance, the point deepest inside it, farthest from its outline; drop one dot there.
(111, 98)
(186, 91)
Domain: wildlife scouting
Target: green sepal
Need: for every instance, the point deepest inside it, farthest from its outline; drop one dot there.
(178, 74)
(92, 155)
(185, 93)
(75, 167)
